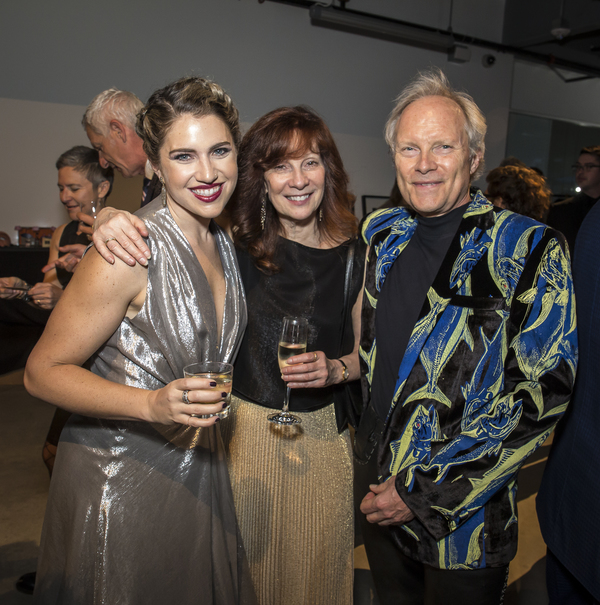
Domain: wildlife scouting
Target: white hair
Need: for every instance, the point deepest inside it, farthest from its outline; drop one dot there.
(435, 83)
(112, 104)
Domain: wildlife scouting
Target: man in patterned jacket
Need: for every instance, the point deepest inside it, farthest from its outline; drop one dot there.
(468, 352)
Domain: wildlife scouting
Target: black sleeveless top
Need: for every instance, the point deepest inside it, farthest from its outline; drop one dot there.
(310, 284)
(69, 236)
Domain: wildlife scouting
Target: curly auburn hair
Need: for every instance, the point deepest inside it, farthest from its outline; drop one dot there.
(522, 190)
(287, 133)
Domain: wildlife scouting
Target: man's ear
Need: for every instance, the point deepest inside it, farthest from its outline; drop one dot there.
(117, 129)
(475, 161)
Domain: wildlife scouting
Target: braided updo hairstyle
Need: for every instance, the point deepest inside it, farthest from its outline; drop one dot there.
(187, 96)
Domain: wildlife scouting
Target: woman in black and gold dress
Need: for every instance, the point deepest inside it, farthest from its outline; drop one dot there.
(293, 229)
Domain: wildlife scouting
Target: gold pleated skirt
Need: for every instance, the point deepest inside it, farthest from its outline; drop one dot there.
(292, 488)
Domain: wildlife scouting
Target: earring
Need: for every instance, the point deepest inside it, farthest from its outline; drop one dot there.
(320, 214)
(163, 191)
(263, 212)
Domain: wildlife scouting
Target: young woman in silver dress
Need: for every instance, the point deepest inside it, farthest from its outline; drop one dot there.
(140, 508)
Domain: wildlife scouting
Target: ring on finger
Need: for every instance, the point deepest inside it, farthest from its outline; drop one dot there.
(110, 239)
(184, 397)
(316, 356)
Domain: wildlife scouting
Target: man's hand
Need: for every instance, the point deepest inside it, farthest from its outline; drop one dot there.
(383, 505)
(119, 233)
(72, 255)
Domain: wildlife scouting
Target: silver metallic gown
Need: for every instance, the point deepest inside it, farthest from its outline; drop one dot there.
(142, 513)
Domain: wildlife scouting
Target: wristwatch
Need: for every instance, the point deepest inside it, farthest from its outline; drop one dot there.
(345, 373)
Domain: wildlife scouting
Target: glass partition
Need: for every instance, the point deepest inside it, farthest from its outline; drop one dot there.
(552, 146)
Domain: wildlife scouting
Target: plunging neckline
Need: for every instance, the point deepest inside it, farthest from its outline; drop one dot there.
(218, 234)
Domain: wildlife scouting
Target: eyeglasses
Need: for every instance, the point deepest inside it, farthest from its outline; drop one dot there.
(584, 167)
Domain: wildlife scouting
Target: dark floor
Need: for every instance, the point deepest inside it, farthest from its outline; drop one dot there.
(24, 422)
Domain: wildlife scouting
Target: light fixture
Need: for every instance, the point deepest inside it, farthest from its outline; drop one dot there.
(381, 28)
(459, 54)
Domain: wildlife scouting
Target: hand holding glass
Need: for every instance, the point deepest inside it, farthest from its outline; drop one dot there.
(221, 373)
(95, 207)
(294, 334)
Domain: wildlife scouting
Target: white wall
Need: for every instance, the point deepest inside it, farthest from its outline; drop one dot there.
(483, 20)
(538, 91)
(32, 136)
(56, 55)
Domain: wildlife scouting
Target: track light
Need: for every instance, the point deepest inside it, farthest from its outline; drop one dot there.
(381, 28)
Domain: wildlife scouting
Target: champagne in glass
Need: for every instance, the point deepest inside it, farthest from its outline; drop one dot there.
(221, 373)
(287, 350)
(294, 334)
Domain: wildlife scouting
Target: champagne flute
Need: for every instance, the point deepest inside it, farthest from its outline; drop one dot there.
(294, 333)
(95, 207)
(98, 205)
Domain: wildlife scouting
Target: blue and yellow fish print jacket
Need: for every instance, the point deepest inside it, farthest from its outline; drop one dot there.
(487, 373)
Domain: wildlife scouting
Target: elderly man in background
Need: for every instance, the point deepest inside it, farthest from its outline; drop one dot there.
(567, 215)
(468, 353)
(109, 123)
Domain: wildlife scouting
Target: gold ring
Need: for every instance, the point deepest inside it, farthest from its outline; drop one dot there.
(110, 239)
(316, 356)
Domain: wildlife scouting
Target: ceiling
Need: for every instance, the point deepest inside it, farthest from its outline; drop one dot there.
(529, 25)
(564, 34)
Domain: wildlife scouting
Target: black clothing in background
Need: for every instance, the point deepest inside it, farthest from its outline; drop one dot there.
(21, 324)
(402, 297)
(310, 284)
(567, 501)
(151, 189)
(567, 215)
(69, 236)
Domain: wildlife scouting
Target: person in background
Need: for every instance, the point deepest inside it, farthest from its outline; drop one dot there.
(83, 185)
(567, 215)
(297, 249)
(519, 189)
(24, 311)
(140, 508)
(109, 122)
(468, 354)
(567, 500)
